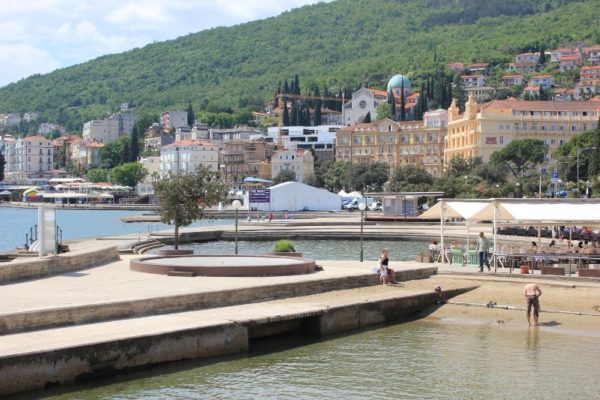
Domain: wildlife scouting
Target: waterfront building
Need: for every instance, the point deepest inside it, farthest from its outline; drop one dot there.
(28, 157)
(300, 161)
(419, 143)
(485, 128)
(187, 155)
(320, 139)
(110, 129)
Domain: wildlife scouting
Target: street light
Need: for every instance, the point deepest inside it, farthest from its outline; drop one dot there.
(361, 207)
(580, 150)
(518, 189)
(236, 206)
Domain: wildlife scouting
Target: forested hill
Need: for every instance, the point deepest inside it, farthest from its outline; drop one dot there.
(327, 45)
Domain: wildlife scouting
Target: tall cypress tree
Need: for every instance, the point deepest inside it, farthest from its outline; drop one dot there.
(294, 114)
(296, 84)
(392, 101)
(286, 87)
(191, 117)
(318, 117)
(2, 163)
(134, 147)
(125, 152)
(286, 114)
(402, 103)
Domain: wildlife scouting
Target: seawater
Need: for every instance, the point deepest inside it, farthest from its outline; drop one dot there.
(78, 224)
(330, 249)
(415, 360)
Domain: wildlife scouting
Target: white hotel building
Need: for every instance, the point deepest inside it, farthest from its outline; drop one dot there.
(28, 157)
(187, 155)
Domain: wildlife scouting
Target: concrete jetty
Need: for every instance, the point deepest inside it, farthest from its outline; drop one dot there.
(107, 319)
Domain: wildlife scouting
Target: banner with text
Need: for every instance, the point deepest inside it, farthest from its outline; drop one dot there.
(260, 195)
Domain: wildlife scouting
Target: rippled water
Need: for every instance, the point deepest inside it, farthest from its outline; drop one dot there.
(76, 224)
(420, 360)
(318, 249)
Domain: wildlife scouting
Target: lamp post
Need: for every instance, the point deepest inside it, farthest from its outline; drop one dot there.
(236, 206)
(518, 189)
(361, 207)
(579, 151)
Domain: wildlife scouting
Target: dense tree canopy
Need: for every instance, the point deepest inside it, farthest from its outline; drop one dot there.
(239, 67)
(520, 155)
(128, 174)
(286, 175)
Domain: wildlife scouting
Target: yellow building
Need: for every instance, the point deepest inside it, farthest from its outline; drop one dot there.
(419, 143)
(485, 128)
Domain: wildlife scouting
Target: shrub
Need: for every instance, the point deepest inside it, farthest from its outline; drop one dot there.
(284, 246)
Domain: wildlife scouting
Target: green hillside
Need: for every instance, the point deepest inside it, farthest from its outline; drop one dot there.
(345, 42)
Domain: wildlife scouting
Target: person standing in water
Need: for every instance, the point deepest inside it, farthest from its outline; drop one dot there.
(532, 293)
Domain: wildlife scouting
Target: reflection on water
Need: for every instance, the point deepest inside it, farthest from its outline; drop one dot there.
(419, 360)
(319, 249)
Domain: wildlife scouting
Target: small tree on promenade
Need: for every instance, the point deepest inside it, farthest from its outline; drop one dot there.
(184, 196)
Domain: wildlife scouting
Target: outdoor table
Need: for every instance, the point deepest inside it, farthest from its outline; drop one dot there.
(544, 258)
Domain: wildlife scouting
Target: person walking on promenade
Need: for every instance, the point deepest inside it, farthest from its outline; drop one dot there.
(483, 245)
(532, 293)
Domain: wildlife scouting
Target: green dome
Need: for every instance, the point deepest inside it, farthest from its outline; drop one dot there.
(396, 82)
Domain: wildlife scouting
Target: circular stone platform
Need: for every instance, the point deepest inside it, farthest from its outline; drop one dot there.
(223, 265)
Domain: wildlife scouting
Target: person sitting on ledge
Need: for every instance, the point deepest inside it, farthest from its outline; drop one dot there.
(441, 297)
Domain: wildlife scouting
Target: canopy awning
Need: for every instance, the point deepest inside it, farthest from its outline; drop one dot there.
(455, 209)
(542, 212)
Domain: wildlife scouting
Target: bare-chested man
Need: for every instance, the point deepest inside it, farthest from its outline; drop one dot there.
(532, 293)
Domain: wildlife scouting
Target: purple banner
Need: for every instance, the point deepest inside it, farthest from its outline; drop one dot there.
(260, 196)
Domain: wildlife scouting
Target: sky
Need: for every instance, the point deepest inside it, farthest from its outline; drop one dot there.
(39, 36)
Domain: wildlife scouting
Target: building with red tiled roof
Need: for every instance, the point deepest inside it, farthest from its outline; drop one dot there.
(589, 76)
(485, 128)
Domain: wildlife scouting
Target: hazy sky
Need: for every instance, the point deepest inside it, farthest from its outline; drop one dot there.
(39, 36)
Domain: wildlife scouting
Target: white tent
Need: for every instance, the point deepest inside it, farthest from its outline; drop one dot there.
(355, 195)
(541, 212)
(295, 196)
(342, 193)
(464, 209)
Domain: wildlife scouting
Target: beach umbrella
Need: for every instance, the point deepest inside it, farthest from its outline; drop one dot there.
(31, 190)
(5, 193)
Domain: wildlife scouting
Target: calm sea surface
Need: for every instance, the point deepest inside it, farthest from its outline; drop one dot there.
(414, 360)
(76, 224)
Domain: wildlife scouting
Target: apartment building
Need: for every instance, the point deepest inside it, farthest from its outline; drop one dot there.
(27, 158)
(243, 158)
(419, 143)
(320, 139)
(513, 80)
(187, 155)
(300, 161)
(485, 128)
(173, 119)
(589, 76)
(110, 129)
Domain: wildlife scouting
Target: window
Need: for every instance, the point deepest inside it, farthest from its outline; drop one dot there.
(501, 139)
